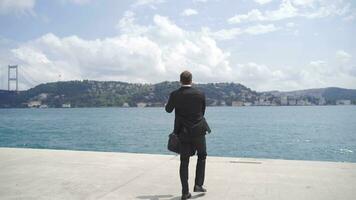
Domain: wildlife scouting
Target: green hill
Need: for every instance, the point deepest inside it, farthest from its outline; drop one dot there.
(113, 93)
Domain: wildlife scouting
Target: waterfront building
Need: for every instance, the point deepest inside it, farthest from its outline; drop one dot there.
(301, 102)
(222, 103)
(43, 106)
(247, 104)
(292, 101)
(66, 105)
(213, 103)
(141, 104)
(34, 104)
(284, 100)
(322, 101)
(237, 103)
(343, 102)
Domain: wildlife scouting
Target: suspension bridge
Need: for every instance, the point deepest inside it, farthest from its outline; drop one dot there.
(17, 78)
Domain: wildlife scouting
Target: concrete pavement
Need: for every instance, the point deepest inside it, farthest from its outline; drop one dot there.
(60, 174)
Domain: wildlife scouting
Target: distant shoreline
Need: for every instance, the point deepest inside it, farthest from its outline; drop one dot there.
(120, 94)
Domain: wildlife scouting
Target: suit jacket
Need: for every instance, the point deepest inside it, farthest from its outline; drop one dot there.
(189, 106)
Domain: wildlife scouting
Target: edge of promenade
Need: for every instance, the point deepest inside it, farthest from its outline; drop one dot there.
(65, 174)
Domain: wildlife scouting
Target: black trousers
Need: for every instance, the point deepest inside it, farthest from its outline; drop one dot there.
(188, 148)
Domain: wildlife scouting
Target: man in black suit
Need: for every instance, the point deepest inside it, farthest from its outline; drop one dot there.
(190, 126)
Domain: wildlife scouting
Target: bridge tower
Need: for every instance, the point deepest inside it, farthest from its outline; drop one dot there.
(13, 78)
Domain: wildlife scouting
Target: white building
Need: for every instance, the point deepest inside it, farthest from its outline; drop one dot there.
(301, 102)
(34, 104)
(237, 103)
(43, 106)
(321, 101)
(66, 105)
(141, 104)
(247, 104)
(343, 102)
(292, 102)
(284, 100)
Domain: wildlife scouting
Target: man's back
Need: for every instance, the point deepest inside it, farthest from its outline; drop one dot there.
(188, 102)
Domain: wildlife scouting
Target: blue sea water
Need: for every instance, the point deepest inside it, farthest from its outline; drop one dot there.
(325, 133)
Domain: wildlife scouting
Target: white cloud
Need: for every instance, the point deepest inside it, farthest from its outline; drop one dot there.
(259, 76)
(200, 1)
(17, 6)
(295, 8)
(228, 34)
(316, 74)
(343, 56)
(159, 53)
(317, 63)
(350, 17)
(223, 34)
(344, 63)
(127, 24)
(166, 30)
(147, 2)
(326, 11)
(260, 29)
(79, 2)
(290, 25)
(262, 2)
(253, 15)
(286, 10)
(304, 2)
(318, 69)
(320, 73)
(20, 7)
(189, 12)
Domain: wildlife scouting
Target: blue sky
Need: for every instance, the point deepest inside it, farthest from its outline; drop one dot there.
(263, 44)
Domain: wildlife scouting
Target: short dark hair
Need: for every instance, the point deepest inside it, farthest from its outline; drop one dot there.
(186, 77)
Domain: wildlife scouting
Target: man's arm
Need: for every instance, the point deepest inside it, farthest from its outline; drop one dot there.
(170, 104)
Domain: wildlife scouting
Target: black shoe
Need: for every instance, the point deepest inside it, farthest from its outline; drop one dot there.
(186, 196)
(198, 188)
